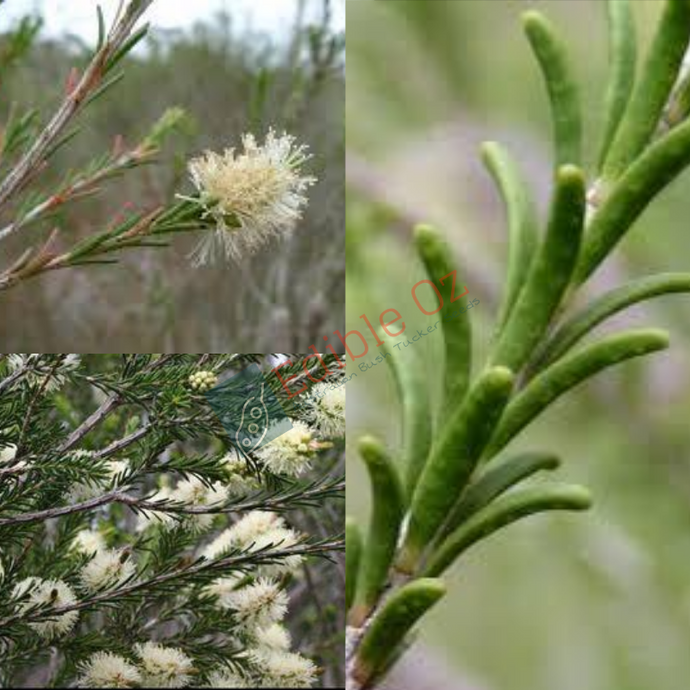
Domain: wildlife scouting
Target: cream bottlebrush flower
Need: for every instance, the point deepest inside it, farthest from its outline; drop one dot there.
(193, 493)
(257, 605)
(244, 532)
(107, 569)
(38, 372)
(279, 669)
(164, 667)
(291, 452)
(274, 637)
(106, 670)
(276, 540)
(241, 479)
(228, 679)
(203, 381)
(85, 491)
(7, 453)
(327, 406)
(251, 196)
(88, 541)
(154, 517)
(224, 586)
(54, 592)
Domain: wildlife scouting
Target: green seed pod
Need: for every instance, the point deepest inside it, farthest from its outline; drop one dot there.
(612, 302)
(495, 481)
(407, 368)
(392, 623)
(659, 74)
(353, 552)
(453, 460)
(567, 373)
(561, 85)
(522, 223)
(622, 61)
(549, 275)
(511, 508)
(387, 514)
(439, 265)
(659, 165)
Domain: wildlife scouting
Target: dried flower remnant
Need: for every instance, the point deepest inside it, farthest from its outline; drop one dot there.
(251, 196)
(52, 593)
(106, 670)
(164, 667)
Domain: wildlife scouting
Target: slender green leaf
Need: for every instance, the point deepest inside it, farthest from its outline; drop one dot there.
(549, 275)
(513, 507)
(353, 546)
(567, 373)
(561, 85)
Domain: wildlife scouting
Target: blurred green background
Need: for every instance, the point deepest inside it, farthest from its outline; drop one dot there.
(231, 77)
(595, 601)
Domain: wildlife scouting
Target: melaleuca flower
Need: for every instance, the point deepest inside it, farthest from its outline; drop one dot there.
(57, 594)
(327, 406)
(244, 532)
(194, 493)
(203, 381)
(280, 669)
(223, 586)
(107, 569)
(92, 488)
(250, 196)
(241, 479)
(106, 670)
(276, 540)
(7, 453)
(274, 637)
(40, 370)
(88, 541)
(164, 667)
(257, 605)
(153, 517)
(228, 679)
(291, 452)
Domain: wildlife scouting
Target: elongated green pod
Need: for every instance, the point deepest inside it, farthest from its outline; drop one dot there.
(387, 513)
(522, 223)
(407, 367)
(658, 75)
(612, 302)
(659, 165)
(549, 275)
(457, 333)
(562, 87)
(566, 373)
(622, 61)
(453, 460)
(392, 624)
(513, 507)
(493, 482)
(353, 553)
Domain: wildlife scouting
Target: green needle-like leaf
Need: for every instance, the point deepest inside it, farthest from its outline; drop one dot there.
(567, 373)
(612, 302)
(413, 392)
(561, 85)
(353, 546)
(494, 481)
(453, 460)
(622, 60)
(387, 513)
(659, 165)
(457, 334)
(549, 275)
(522, 223)
(515, 506)
(659, 74)
(392, 623)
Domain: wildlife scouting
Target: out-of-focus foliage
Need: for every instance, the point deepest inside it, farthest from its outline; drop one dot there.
(229, 82)
(597, 601)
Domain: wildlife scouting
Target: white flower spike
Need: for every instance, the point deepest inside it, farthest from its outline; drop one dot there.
(164, 667)
(106, 670)
(251, 196)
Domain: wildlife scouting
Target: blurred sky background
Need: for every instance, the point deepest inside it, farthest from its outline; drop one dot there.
(78, 17)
